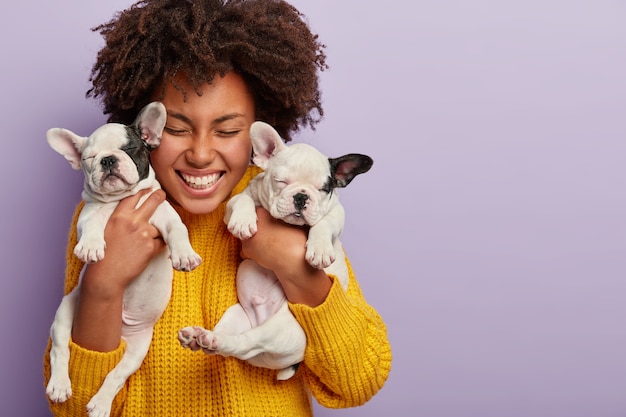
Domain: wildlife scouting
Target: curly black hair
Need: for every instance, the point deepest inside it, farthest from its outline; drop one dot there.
(268, 42)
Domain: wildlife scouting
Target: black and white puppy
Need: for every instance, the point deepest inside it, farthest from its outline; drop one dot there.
(299, 186)
(115, 162)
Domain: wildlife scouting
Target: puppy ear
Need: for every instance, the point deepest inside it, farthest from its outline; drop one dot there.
(150, 122)
(266, 142)
(68, 144)
(345, 168)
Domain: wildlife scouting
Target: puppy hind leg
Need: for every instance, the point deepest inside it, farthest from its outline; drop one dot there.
(233, 322)
(137, 346)
(259, 292)
(59, 388)
(276, 344)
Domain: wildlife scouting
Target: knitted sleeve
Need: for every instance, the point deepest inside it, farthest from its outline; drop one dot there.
(348, 356)
(87, 368)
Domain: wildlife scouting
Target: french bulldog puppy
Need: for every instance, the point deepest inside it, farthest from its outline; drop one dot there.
(115, 162)
(298, 186)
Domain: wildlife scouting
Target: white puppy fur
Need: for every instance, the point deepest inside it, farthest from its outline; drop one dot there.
(115, 162)
(298, 186)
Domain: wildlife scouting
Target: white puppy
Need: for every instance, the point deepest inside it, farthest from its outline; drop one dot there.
(115, 162)
(298, 186)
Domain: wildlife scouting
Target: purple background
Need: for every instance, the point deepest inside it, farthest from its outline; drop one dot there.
(490, 233)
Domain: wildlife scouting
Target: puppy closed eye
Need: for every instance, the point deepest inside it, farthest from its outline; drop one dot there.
(280, 182)
(327, 187)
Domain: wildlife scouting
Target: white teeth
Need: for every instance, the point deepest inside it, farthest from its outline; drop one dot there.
(201, 182)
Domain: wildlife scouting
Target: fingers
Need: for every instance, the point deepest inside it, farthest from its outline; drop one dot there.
(131, 216)
(148, 207)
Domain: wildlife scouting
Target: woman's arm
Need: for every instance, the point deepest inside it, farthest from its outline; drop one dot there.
(131, 242)
(96, 346)
(348, 356)
(281, 248)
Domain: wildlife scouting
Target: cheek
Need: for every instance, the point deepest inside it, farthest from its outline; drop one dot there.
(163, 157)
(237, 153)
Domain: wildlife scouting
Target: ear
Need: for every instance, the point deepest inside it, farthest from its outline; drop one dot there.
(150, 122)
(68, 144)
(345, 168)
(266, 142)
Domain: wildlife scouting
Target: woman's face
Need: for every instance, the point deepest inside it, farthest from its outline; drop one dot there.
(206, 147)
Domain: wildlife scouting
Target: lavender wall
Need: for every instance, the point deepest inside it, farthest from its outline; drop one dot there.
(490, 233)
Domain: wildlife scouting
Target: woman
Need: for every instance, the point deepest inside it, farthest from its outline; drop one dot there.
(217, 67)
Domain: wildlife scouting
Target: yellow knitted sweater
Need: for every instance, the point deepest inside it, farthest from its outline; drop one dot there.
(347, 358)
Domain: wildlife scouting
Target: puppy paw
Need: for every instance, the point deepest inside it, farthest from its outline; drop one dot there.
(242, 226)
(207, 340)
(90, 251)
(319, 255)
(59, 389)
(186, 260)
(186, 336)
(98, 407)
(196, 338)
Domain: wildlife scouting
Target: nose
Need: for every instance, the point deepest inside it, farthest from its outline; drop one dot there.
(299, 201)
(108, 162)
(202, 150)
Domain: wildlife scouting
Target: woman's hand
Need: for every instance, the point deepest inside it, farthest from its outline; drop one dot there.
(281, 248)
(131, 242)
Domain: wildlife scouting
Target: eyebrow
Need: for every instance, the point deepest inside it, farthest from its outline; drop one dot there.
(220, 119)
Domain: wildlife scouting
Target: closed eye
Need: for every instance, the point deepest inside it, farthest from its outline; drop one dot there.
(228, 133)
(280, 181)
(328, 187)
(174, 132)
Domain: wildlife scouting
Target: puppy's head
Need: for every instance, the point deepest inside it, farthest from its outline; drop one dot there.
(115, 157)
(298, 179)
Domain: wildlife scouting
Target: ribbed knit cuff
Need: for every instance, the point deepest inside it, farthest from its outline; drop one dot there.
(347, 350)
(330, 317)
(88, 368)
(87, 372)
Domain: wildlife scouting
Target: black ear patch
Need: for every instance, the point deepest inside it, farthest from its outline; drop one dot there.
(345, 168)
(138, 150)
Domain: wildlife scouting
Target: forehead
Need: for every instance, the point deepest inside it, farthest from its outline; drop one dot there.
(301, 161)
(111, 135)
(224, 98)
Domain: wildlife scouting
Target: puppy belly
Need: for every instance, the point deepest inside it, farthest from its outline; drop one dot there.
(147, 296)
(259, 292)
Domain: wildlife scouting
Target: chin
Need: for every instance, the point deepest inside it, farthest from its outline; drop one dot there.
(200, 207)
(196, 205)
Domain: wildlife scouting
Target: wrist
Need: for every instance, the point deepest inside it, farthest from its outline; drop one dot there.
(309, 286)
(97, 322)
(101, 283)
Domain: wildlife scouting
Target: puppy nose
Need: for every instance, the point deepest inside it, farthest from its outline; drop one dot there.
(299, 200)
(108, 162)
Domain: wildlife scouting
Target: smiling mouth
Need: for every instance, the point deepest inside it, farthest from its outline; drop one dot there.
(200, 182)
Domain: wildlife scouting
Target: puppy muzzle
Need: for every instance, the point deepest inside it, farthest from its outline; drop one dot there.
(300, 201)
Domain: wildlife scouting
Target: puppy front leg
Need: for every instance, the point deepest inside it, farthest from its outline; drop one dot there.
(320, 251)
(240, 216)
(176, 235)
(90, 227)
